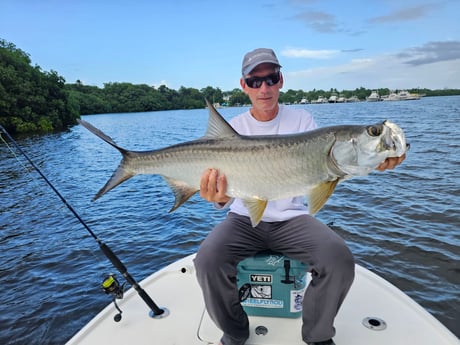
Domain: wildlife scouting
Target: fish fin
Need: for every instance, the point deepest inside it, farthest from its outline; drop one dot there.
(217, 126)
(256, 208)
(182, 192)
(120, 175)
(100, 134)
(319, 195)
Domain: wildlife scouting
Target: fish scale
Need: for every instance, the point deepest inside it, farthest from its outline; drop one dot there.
(263, 165)
(263, 168)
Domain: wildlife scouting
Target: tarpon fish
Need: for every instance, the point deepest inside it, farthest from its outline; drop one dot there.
(263, 168)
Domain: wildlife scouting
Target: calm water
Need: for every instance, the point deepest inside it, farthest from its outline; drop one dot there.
(403, 224)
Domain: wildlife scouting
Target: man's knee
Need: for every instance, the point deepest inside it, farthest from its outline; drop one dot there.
(203, 261)
(207, 262)
(335, 256)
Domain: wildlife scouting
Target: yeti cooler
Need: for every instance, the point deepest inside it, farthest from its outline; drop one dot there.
(271, 284)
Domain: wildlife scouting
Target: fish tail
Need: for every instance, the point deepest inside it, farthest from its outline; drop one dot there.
(120, 174)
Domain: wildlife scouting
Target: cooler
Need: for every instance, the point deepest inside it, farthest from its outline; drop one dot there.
(271, 284)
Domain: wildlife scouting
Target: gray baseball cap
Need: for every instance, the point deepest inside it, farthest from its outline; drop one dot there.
(254, 58)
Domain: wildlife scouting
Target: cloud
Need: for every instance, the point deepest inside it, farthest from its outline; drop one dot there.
(309, 54)
(355, 50)
(326, 23)
(434, 65)
(431, 52)
(316, 54)
(319, 21)
(405, 14)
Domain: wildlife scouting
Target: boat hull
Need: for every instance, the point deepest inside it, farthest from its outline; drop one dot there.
(371, 300)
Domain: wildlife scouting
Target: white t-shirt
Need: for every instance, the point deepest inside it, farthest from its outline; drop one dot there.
(289, 120)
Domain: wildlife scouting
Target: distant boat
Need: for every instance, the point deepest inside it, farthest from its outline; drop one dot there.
(373, 97)
(413, 96)
(304, 101)
(402, 95)
(353, 99)
(333, 98)
(215, 105)
(407, 96)
(391, 97)
(320, 99)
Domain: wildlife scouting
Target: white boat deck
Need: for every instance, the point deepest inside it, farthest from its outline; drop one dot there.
(175, 288)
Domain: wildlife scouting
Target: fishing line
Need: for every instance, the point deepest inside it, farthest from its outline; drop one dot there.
(12, 151)
(155, 311)
(29, 172)
(16, 156)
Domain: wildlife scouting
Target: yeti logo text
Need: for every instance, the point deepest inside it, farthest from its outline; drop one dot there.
(261, 278)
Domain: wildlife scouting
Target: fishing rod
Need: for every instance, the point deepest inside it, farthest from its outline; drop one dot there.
(110, 284)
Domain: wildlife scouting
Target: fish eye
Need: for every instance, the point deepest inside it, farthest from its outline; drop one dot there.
(374, 131)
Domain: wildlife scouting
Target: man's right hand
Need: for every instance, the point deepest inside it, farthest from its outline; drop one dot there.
(213, 186)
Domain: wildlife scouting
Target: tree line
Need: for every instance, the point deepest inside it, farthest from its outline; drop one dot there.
(32, 100)
(128, 97)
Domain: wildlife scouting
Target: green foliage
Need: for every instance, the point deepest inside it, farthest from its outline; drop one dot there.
(31, 100)
(127, 97)
(213, 95)
(291, 96)
(238, 97)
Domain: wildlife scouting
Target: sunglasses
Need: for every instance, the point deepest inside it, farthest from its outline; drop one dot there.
(256, 82)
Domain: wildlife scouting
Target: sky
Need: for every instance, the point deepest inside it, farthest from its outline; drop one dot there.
(198, 43)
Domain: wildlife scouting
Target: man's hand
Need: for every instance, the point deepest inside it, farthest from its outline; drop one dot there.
(391, 163)
(213, 186)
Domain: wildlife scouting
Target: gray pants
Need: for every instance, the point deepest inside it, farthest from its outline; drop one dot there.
(303, 238)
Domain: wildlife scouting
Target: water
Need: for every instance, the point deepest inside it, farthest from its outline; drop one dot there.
(402, 224)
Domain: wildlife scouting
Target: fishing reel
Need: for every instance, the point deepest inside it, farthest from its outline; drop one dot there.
(111, 286)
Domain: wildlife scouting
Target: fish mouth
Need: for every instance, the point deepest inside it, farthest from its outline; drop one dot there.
(397, 140)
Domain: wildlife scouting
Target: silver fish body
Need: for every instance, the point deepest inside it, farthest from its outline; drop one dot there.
(263, 168)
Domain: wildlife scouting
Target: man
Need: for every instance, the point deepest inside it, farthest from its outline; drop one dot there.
(286, 226)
